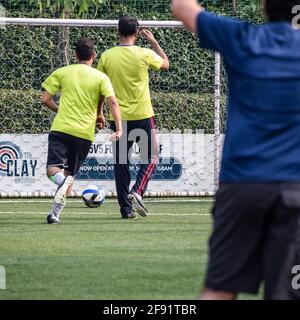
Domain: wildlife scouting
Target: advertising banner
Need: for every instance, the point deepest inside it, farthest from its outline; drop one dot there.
(185, 167)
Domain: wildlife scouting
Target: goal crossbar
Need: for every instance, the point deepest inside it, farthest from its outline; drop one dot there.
(84, 23)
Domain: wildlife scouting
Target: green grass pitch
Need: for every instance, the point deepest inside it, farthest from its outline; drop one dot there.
(93, 254)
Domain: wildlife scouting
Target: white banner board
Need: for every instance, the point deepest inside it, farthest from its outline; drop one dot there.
(186, 166)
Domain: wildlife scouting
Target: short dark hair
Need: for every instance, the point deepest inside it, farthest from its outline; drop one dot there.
(280, 10)
(85, 49)
(128, 26)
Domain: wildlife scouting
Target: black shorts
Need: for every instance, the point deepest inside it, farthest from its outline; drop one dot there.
(66, 151)
(256, 238)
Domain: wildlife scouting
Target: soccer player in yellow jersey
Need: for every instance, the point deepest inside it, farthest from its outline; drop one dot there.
(127, 66)
(83, 90)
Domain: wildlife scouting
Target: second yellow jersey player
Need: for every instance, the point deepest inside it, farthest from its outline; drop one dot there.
(127, 66)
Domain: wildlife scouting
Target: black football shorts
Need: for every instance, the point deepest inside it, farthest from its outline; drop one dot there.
(256, 239)
(66, 151)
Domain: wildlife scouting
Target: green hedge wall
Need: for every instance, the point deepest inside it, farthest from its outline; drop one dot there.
(28, 56)
(182, 97)
(22, 112)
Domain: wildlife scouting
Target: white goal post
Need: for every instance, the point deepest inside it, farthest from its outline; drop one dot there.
(215, 139)
(84, 23)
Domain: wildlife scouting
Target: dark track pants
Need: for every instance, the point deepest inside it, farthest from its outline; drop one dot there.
(142, 132)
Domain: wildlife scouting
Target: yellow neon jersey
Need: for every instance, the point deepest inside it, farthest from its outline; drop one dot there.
(81, 87)
(127, 68)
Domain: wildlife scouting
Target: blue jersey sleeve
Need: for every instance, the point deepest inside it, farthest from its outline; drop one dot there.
(216, 32)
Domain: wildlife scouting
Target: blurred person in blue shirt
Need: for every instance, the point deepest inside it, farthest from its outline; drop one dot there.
(256, 231)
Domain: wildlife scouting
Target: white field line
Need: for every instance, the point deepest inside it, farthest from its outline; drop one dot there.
(105, 213)
(110, 201)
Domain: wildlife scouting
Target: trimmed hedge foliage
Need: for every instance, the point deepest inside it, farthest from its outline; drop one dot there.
(32, 57)
(182, 97)
(29, 55)
(22, 112)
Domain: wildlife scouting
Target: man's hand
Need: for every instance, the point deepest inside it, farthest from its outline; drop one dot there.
(100, 123)
(156, 47)
(148, 35)
(116, 136)
(187, 12)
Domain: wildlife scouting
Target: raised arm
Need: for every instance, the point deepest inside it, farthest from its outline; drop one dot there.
(187, 12)
(214, 32)
(48, 100)
(157, 48)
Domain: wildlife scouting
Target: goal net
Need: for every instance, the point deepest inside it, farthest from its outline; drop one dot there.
(188, 100)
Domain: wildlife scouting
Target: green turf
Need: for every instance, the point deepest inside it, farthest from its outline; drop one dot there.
(93, 254)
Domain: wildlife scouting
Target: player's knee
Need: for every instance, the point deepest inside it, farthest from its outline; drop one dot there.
(52, 171)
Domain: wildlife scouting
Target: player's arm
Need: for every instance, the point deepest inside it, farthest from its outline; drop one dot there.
(116, 113)
(51, 87)
(157, 48)
(108, 92)
(48, 100)
(187, 12)
(100, 114)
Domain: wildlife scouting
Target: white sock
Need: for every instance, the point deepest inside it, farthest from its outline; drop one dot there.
(57, 208)
(58, 178)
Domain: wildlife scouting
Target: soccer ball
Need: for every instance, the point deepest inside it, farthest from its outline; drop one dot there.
(93, 196)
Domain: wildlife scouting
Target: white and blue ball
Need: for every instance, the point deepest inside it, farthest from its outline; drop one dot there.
(93, 196)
